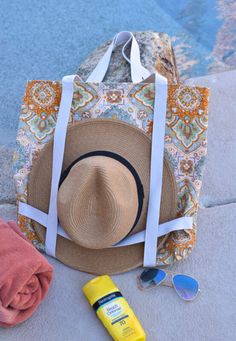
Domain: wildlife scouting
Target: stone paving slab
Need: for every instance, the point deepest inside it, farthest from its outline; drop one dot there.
(219, 185)
(66, 315)
(8, 212)
(7, 187)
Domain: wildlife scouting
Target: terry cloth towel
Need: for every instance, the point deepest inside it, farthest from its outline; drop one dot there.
(25, 276)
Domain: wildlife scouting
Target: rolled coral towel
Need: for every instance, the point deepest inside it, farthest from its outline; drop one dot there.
(25, 276)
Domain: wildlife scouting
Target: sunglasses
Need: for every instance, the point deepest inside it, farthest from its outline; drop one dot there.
(185, 286)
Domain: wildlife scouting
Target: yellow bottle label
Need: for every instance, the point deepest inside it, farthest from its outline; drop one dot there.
(118, 318)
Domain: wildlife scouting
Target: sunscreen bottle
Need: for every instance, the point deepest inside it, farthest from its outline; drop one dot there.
(113, 310)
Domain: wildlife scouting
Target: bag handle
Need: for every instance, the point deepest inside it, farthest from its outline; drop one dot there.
(138, 72)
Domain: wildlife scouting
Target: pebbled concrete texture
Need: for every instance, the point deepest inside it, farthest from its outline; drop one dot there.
(66, 315)
(8, 212)
(219, 186)
(7, 187)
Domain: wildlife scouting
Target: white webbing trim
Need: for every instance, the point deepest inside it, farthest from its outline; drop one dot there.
(183, 223)
(38, 216)
(58, 155)
(138, 72)
(32, 213)
(156, 170)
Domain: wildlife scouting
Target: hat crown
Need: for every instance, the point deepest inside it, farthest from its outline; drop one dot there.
(98, 202)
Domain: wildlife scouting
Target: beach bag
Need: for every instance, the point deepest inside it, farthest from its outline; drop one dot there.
(174, 116)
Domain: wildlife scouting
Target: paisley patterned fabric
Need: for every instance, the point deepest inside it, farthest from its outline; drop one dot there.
(185, 138)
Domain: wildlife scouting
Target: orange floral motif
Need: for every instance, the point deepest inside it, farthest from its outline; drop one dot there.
(188, 101)
(149, 127)
(150, 95)
(78, 96)
(114, 96)
(43, 96)
(186, 166)
(29, 233)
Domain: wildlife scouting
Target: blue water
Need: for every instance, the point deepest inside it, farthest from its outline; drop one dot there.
(48, 39)
(199, 18)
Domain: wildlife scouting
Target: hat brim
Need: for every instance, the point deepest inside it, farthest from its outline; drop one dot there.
(132, 144)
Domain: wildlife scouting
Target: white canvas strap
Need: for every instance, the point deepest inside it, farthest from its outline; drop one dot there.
(138, 72)
(183, 223)
(58, 155)
(156, 170)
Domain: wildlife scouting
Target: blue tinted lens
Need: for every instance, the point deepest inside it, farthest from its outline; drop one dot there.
(148, 274)
(159, 276)
(152, 275)
(187, 287)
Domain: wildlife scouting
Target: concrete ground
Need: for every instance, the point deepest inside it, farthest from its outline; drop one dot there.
(66, 316)
(65, 313)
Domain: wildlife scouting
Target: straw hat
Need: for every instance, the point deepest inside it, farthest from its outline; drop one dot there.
(103, 194)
